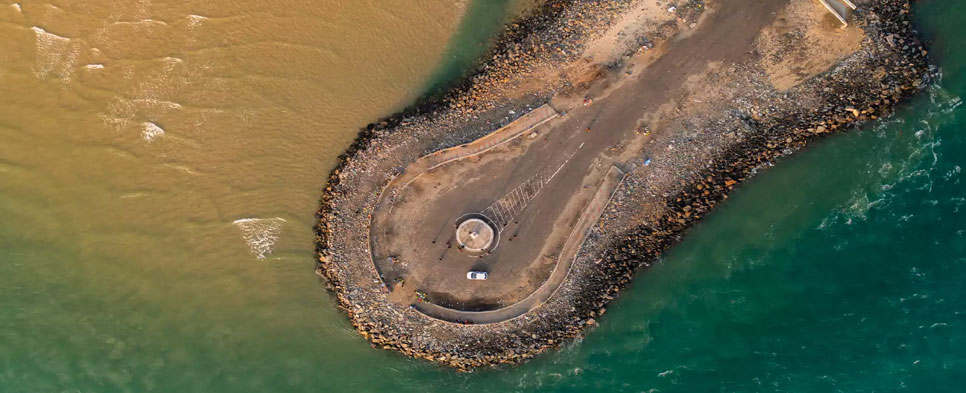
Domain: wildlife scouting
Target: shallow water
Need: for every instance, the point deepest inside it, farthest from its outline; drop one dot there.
(129, 257)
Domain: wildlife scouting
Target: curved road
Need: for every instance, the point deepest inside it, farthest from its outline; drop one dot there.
(412, 227)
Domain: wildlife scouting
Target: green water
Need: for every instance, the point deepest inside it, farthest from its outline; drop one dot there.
(482, 21)
(841, 269)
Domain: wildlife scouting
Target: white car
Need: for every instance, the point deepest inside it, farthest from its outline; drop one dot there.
(475, 275)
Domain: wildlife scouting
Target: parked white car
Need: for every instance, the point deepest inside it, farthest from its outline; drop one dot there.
(475, 275)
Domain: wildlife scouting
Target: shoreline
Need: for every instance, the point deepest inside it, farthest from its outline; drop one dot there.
(628, 236)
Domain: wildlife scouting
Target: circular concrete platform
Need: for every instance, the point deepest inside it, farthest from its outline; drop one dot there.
(475, 235)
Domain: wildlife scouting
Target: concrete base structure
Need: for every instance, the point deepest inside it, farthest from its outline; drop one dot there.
(841, 9)
(475, 235)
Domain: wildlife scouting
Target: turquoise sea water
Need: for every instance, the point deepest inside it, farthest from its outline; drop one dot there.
(841, 269)
(483, 20)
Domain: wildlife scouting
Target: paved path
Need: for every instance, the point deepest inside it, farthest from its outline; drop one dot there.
(605, 191)
(516, 128)
(420, 234)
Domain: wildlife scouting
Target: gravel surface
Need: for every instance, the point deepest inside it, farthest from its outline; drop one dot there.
(713, 139)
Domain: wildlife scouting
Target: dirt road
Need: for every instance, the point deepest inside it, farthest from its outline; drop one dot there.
(413, 226)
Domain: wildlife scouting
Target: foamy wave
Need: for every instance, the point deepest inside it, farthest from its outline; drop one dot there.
(94, 67)
(150, 131)
(155, 103)
(55, 54)
(140, 22)
(260, 234)
(168, 64)
(195, 20)
(909, 164)
(147, 100)
(16, 6)
(143, 8)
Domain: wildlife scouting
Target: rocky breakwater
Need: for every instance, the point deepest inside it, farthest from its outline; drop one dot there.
(891, 65)
(550, 54)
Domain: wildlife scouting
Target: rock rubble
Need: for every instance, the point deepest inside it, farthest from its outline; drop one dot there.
(714, 148)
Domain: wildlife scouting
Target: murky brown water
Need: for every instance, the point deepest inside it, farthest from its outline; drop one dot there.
(130, 176)
(160, 166)
(139, 127)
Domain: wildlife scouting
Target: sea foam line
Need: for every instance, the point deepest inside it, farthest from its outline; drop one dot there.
(151, 131)
(260, 234)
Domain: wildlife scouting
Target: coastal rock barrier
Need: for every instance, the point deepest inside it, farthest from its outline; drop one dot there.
(891, 65)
